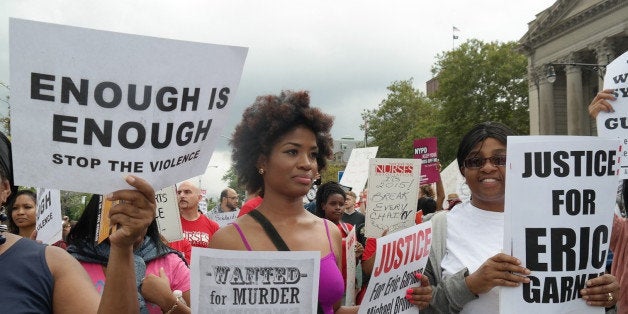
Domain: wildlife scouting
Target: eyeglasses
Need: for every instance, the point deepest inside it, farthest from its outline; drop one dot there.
(478, 162)
(232, 197)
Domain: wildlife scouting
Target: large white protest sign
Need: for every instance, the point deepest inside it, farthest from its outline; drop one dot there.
(393, 186)
(559, 205)
(615, 124)
(357, 170)
(399, 257)
(94, 105)
(254, 281)
(49, 219)
(167, 214)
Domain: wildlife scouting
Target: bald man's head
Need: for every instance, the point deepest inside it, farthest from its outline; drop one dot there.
(188, 196)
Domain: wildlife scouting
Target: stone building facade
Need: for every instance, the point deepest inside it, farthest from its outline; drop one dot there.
(567, 46)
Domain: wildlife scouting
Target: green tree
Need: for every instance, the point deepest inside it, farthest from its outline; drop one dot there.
(330, 173)
(405, 115)
(232, 181)
(479, 82)
(73, 203)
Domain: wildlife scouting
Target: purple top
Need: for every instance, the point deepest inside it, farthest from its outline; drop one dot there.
(330, 282)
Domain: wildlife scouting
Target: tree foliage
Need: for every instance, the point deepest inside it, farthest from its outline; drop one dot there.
(479, 82)
(405, 115)
(73, 203)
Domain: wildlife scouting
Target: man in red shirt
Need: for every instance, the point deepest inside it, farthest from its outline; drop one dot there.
(197, 228)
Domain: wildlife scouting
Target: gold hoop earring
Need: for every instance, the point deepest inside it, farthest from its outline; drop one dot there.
(261, 171)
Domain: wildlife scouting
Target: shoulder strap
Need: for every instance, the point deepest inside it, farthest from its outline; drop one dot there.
(270, 230)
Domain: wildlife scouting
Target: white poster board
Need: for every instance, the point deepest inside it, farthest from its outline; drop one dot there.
(398, 258)
(357, 170)
(223, 218)
(228, 281)
(107, 104)
(49, 219)
(393, 191)
(615, 124)
(559, 205)
(350, 241)
(167, 214)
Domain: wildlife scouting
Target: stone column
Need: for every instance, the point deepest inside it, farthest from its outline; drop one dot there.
(575, 106)
(545, 94)
(604, 53)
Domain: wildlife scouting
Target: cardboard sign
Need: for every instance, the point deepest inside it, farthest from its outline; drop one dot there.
(254, 281)
(558, 215)
(107, 104)
(398, 258)
(427, 150)
(104, 228)
(615, 124)
(167, 214)
(393, 186)
(223, 218)
(49, 219)
(357, 171)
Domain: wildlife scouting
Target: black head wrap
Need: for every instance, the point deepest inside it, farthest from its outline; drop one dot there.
(6, 163)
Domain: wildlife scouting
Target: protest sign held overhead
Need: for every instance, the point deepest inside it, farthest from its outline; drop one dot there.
(393, 186)
(49, 219)
(426, 149)
(254, 281)
(108, 104)
(615, 124)
(357, 171)
(558, 213)
(398, 258)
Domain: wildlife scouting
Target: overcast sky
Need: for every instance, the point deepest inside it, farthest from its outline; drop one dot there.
(344, 52)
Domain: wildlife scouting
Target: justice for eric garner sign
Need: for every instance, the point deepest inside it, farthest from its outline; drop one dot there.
(254, 281)
(560, 197)
(89, 106)
(615, 124)
(399, 256)
(393, 191)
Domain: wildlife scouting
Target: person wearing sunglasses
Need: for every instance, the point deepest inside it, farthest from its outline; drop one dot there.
(465, 264)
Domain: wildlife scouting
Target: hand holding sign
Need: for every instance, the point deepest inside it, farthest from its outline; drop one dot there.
(499, 270)
(601, 291)
(601, 103)
(133, 214)
(422, 295)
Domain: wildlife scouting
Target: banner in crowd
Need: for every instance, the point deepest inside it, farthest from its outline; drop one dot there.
(357, 169)
(399, 257)
(223, 218)
(167, 214)
(350, 242)
(615, 124)
(559, 206)
(393, 191)
(109, 104)
(49, 219)
(426, 149)
(254, 281)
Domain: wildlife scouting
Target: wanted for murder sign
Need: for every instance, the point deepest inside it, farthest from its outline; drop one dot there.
(560, 196)
(399, 256)
(393, 191)
(94, 105)
(615, 124)
(254, 281)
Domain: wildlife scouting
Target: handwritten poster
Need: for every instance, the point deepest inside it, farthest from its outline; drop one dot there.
(398, 258)
(254, 281)
(615, 124)
(393, 186)
(426, 149)
(108, 104)
(167, 214)
(223, 218)
(357, 171)
(559, 206)
(49, 219)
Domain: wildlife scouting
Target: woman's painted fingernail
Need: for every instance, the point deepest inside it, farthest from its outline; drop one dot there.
(409, 291)
(408, 296)
(418, 275)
